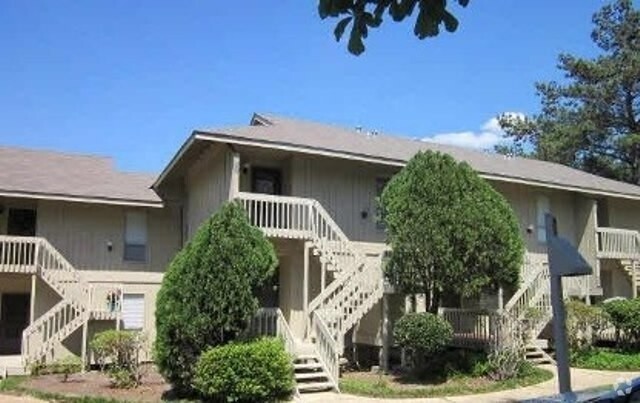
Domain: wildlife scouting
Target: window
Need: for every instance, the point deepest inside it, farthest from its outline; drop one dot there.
(380, 184)
(542, 208)
(135, 237)
(133, 311)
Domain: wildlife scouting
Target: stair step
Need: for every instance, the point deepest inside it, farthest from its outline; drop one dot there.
(314, 386)
(310, 375)
(310, 365)
(306, 357)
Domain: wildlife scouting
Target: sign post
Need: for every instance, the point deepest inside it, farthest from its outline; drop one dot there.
(564, 260)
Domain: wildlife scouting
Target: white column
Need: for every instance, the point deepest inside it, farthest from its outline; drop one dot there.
(32, 308)
(386, 336)
(234, 184)
(85, 334)
(305, 288)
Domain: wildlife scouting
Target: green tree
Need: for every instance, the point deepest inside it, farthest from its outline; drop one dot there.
(365, 14)
(207, 294)
(592, 121)
(450, 232)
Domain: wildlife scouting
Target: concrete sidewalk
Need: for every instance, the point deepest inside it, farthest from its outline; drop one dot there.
(19, 399)
(580, 379)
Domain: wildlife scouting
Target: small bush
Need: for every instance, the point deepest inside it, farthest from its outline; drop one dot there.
(422, 334)
(625, 316)
(118, 353)
(584, 324)
(66, 366)
(255, 371)
(508, 363)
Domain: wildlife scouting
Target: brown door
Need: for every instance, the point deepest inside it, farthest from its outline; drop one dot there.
(14, 318)
(21, 222)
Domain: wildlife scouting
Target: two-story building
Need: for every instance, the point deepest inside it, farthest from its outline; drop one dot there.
(86, 245)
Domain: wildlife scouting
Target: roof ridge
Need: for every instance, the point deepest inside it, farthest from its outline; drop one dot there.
(75, 154)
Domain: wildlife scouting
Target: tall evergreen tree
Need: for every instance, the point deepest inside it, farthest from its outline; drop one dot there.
(591, 121)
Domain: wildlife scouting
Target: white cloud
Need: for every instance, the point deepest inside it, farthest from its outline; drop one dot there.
(486, 137)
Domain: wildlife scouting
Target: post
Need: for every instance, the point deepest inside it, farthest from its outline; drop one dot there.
(634, 278)
(234, 184)
(500, 299)
(83, 354)
(305, 287)
(384, 351)
(323, 276)
(557, 306)
(32, 308)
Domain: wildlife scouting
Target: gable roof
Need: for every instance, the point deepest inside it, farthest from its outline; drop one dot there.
(271, 131)
(53, 175)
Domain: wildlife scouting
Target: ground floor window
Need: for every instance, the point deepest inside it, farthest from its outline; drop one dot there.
(133, 311)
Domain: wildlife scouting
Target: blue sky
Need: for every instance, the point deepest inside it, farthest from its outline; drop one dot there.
(131, 79)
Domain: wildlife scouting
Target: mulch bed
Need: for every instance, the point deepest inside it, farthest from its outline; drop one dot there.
(94, 383)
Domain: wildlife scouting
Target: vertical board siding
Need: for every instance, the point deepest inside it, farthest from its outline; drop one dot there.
(83, 232)
(207, 186)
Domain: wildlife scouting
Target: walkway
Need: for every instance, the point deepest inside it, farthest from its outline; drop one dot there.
(580, 379)
(19, 399)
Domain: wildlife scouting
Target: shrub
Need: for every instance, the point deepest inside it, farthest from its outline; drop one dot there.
(118, 353)
(422, 334)
(255, 371)
(66, 366)
(450, 232)
(507, 363)
(625, 317)
(584, 324)
(206, 298)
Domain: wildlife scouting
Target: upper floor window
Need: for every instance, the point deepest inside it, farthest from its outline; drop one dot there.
(542, 208)
(380, 184)
(135, 237)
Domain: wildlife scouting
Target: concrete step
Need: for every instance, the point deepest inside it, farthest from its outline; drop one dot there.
(314, 386)
(307, 366)
(303, 376)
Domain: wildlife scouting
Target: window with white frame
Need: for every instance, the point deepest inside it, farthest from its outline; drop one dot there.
(542, 208)
(133, 311)
(135, 237)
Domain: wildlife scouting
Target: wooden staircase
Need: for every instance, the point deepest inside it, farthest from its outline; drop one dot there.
(622, 245)
(35, 255)
(310, 374)
(357, 284)
(632, 269)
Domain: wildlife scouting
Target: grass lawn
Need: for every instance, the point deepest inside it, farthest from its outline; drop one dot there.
(397, 386)
(607, 359)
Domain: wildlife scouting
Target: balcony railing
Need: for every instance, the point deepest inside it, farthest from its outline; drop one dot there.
(18, 254)
(616, 243)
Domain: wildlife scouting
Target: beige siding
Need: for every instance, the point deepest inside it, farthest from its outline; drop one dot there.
(622, 213)
(83, 233)
(207, 186)
(346, 189)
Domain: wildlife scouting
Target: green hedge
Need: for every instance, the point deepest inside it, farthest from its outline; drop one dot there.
(256, 371)
(625, 316)
(207, 294)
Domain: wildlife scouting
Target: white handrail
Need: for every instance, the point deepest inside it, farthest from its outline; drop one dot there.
(618, 243)
(271, 322)
(327, 348)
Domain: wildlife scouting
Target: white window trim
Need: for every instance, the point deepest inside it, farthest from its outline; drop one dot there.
(543, 206)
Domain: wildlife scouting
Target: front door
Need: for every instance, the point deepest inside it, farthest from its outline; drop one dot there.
(21, 222)
(14, 318)
(266, 181)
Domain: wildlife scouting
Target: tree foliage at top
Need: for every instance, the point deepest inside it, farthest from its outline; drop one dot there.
(591, 121)
(207, 294)
(450, 232)
(363, 15)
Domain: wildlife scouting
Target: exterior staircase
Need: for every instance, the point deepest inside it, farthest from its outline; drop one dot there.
(40, 338)
(530, 306)
(357, 284)
(310, 374)
(35, 255)
(632, 268)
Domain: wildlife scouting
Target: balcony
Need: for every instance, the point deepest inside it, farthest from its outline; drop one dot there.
(616, 243)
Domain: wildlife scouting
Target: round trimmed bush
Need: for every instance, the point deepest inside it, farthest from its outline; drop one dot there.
(424, 333)
(624, 314)
(256, 371)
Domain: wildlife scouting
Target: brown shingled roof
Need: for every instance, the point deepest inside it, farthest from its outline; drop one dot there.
(49, 174)
(279, 131)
